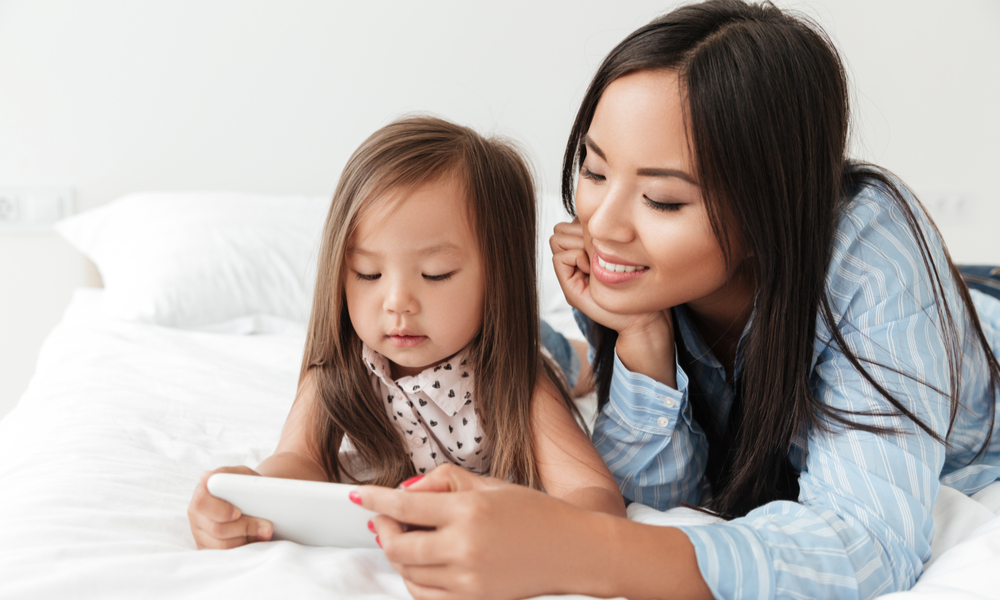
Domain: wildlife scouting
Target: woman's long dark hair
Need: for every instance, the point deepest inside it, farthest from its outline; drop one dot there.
(767, 107)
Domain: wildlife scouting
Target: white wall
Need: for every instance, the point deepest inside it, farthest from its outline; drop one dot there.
(113, 96)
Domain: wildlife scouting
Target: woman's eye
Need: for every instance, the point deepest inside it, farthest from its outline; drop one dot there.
(663, 206)
(369, 277)
(588, 174)
(437, 277)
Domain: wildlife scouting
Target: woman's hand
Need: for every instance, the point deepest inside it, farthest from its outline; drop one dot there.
(491, 539)
(218, 524)
(645, 341)
(498, 541)
(572, 266)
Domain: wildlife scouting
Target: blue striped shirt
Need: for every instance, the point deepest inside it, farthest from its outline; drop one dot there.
(862, 525)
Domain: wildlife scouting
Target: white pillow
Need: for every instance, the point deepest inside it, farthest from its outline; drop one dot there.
(191, 259)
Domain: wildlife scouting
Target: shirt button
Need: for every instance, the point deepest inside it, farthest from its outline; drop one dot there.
(668, 402)
(663, 421)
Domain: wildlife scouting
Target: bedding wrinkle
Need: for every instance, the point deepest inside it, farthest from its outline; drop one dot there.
(98, 460)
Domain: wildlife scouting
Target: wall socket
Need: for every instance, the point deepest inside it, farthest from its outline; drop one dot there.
(33, 208)
(954, 206)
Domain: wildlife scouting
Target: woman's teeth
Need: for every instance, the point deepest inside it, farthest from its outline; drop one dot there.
(617, 268)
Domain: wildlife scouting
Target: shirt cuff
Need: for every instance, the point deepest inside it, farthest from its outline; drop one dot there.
(732, 559)
(645, 404)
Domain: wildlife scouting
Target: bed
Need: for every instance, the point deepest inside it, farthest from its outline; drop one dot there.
(187, 360)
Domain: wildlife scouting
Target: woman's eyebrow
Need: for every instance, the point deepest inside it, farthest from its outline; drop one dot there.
(651, 172)
(594, 147)
(644, 171)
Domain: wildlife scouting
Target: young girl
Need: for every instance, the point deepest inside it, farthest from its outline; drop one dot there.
(423, 345)
(771, 322)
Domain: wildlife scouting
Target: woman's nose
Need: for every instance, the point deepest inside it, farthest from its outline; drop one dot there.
(611, 219)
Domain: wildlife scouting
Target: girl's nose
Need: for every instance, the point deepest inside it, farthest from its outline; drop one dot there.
(611, 220)
(399, 300)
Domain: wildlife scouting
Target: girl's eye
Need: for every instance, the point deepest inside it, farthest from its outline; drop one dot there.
(437, 277)
(367, 277)
(588, 174)
(662, 206)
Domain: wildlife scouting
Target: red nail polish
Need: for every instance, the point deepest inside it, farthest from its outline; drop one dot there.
(378, 542)
(411, 481)
(371, 527)
(355, 497)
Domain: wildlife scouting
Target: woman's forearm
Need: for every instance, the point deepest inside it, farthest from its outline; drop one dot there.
(597, 499)
(637, 561)
(649, 352)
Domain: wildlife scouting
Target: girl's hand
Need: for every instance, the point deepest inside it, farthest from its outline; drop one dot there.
(645, 341)
(491, 539)
(218, 524)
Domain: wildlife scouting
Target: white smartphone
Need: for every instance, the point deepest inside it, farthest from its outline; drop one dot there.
(307, 512)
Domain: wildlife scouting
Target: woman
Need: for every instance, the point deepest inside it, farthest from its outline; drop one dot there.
(777, 334)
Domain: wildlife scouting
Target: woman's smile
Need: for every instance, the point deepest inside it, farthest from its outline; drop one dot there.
(614, 273)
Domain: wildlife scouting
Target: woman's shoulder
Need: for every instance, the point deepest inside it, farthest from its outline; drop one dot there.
(884, 251)
(877, 205)
(883, 232)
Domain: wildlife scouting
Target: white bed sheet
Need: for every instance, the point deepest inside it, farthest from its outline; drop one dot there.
(100, 456)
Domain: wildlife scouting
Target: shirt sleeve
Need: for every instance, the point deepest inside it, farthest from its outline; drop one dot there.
(649, 440)
(863, 523)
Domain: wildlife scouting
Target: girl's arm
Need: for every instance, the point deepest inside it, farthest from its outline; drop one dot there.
(568, 464)
(218, 524)
(296, 455)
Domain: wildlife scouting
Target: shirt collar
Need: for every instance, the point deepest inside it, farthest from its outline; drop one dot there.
(449, 384)
(695, 344)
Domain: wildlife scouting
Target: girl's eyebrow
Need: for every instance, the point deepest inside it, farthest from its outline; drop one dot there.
(445, 248)
(644, 171)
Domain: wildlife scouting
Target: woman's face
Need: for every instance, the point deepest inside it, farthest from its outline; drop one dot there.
(645, 226)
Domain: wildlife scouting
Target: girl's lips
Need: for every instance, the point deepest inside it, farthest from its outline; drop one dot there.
(605, 275)
(407, 341)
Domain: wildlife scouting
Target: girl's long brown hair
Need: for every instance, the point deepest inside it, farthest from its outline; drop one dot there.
(505, 354)
(767, 102)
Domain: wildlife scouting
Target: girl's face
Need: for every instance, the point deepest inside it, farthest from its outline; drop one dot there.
(645, 225)
(414, 277)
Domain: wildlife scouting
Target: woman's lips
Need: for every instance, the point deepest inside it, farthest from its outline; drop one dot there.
(407, 341)
(611, 273)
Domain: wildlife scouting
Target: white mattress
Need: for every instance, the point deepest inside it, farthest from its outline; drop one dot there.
(100, 456)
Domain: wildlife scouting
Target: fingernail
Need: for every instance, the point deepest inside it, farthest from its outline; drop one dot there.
(263, 534)
(378, 542)
(236, 514)
(371, 527)
(411, 481)
(355, 497)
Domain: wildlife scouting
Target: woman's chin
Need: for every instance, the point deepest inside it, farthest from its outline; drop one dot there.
(618, 302)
